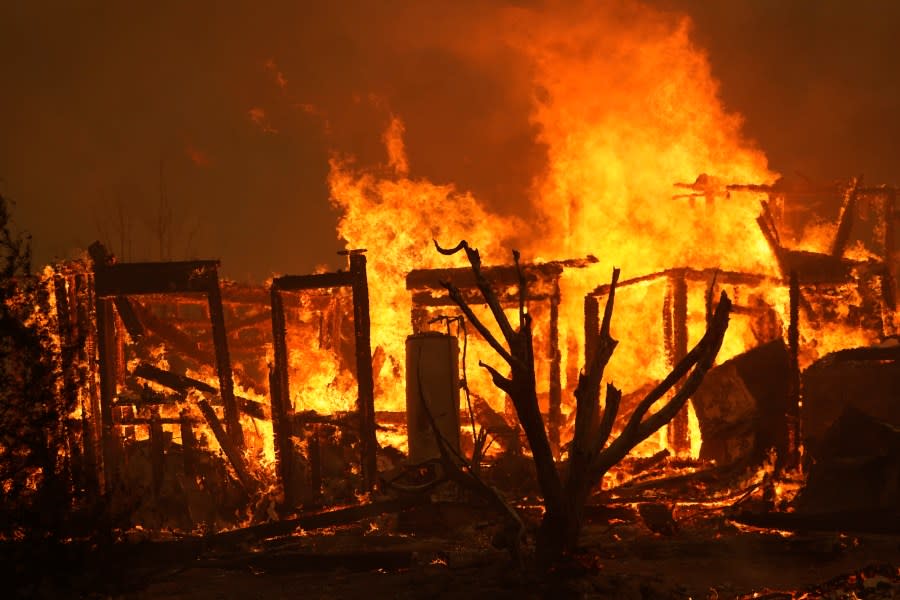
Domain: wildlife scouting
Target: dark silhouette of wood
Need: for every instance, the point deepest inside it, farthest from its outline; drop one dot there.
(845, 221)
(591, 452)
(364, 376)
(794, 434)
(279, 385)
(183, 383)
(232, 452)
(188, 445)
(677, 345)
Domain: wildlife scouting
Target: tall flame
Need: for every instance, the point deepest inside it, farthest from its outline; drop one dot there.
(626, 105)
(397, 217)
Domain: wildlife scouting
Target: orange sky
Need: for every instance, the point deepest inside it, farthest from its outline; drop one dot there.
(241, 107)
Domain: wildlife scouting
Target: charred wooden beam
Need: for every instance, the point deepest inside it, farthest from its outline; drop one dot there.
(364, 376)
(282, 409)
(232, 452)
(891, 271)
(250, 321)
(146, 397)
(223, 360)
(124, 417)
(90, 413)
(188, 444)
(814, 268)
(174, 381)
(295, 283)
(508, 299)
(591, 327)
(131, 420)
(315, 463)
(349, 420)
(678, 432)
(862, 521)
(157, 451)
(503, 275)
(107, 357)
(794, 435)
(183, 383)
(845, 221)
(242, 294)
(317, 520)
(102, 259)
(173, 336)
(723, 277)
(68, 348)
(554, 420)
(133, 279)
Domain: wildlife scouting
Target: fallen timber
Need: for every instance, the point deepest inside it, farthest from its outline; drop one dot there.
(183, 383)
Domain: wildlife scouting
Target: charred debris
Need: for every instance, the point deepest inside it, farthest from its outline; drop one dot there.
(163, 418)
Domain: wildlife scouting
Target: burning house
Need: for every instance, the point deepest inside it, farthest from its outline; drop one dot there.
(733, 387)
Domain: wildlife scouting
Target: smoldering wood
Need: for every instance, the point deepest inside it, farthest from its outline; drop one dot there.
(223, 361)
(68, 348)
(171, 335)
(146, 397)
(183, 383)
(508, 298)
(188, 444)
(554, 416)
(364, 375)
(504, 275)
(132, 420)
(122, 279)
(232, 452)
(315, 520)
(157, 450)
(282, 410)
(792, 443)
(690, 274)
(102, 259)
(87, 337)
(317, 281)
(107, 357)
(591, 327)
(124, 416)
(678, 432)
(139, 278)
(845, 220)
(315, 463)
(867, 521)
(75, 457)
(815, 269)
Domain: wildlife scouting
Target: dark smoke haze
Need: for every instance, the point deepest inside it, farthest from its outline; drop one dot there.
(228, 112)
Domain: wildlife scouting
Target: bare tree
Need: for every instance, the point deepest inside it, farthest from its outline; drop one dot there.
(566, 487)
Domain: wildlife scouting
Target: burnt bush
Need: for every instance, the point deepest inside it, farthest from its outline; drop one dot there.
(32, 411)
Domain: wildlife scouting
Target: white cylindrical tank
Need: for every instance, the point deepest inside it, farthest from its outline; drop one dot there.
(432, 370)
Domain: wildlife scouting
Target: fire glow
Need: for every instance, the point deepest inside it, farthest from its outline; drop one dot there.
(627, 111)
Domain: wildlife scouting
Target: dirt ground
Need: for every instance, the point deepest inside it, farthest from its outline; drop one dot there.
(707, 559)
